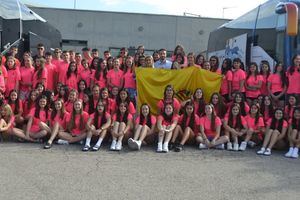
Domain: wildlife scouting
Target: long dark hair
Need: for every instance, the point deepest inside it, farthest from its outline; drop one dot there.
(242, 104)
(292, 68)
(99, 70)
(257, 115)
(125, 117)
(282, 75)
(221, 107)
(255, 72)
(185, 117)
(66, 89)
(90, 102)
(17, 102)
(62, 112)
(29, 101)
(166, 117)
(265, 62)
(97, 115)
(119, 100)
(270, 107)
(41, 67)
(201, 102)
(142, 117)
(69, 72)
(275, 123)
(38, 108)
(238, 123)
(228, 66)
(213, 117)
(71, 124)
(215, 67)
(296, 122)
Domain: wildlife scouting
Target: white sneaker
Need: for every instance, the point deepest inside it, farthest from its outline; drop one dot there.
(119, 146)
(61, 141)
(113, 145)
(289, 153)
(235, 146)
(202, 146)
(267, 152)
(295, 153)
(261, 151)
(139, 144)
(159, 147)
(131, 143)
(220, 147)
(251, 144)
(165, 147)
(243, 146)
(229, 146)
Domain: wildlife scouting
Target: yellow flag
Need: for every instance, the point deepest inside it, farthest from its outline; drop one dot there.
(152, 82)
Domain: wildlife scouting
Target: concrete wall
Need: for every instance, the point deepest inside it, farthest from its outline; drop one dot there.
(104, 30)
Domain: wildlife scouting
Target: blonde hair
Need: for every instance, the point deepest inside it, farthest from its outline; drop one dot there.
(9, 112)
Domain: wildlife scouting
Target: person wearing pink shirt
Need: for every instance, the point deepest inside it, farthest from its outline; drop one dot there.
(40, 74)
(144, 127)
(26, 73)
(199, 102)
(179, 51)
(88, 104)
(255, 124)
(166, 124)
(86, 52)
(96, 95)
(210, 128)
(219, 106)
(72, 76)
(57, 57)
(17, 106)
(267, 108)
(13, 75)
(109, 103)
(168, 99)
(106, 55)
(87, 73)
(275, 133)
(191, 60)
(78, 60)
(100, 75)
(122, 55)
(114, 76)
(69, 104)
(123, 97)
(225, 89)
(253, 83)
(82, 86)
(290, 106)
(277, 85)
(29, 103)
(238, 76)
(51, 70)
(187, 128)
(265, 73)
(98, 124)
(62, 68)
(94, 64)
(293, 76)
(122, 123)
(72, 55)
(200, 60)
(294, 135)
(3, 76)
(129, 78)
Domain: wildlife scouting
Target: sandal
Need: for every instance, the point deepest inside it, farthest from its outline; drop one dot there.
(86, 148)
(48, 145)
(96, 148)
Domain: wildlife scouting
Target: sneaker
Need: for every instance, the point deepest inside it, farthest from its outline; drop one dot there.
(261, 151)
(220, 147)
(48, 145)
(202, 146)
(178, 148)
(96, 148)
(229, 146)
(159, 147)
(165, 148)
(295, 153)
(86, 148)
(131, 143)
(113, 145)
(61, 141)
(251, 144)
(289, 153)
(171, 146)
(243, 146)
(267, 152)
(235, 146)
(139, 144)
(119, 146)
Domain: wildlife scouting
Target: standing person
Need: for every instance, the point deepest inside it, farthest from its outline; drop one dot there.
(225, 90)
(200, 60)
(155, 56)
(210, 128)
(51, 70)
(86, 52)
(72, 55)
(72, 76)
(95, 62)
(97, 125)
(122, 123)
(140, 50)
(78, 60)
(168, 98)
(275, 133)
(26, 73)
(129, 79)
(191, 60)
(265, 73)
(40, 73)
(187, 128)
(235, 126)
(3, 76)
(114, 76)
(214, 64)
(86, 73)
(238, 77)
(144, 126)
(57, 57)
(122, 55)
(100, 76)
(58, 122)
(253, 83)
(179, 50)
(106, 55)
(166, 124)
(62, 68)
(294, 135)
(163, 63)
(293, 76)
(149, 63)
(13, 75)
(277, 85)
(40, 52)
(95, 53)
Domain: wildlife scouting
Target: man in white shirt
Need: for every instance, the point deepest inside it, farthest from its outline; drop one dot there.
(163, 63)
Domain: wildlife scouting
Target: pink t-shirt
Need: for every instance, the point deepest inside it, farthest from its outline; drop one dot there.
(176, 104)
(2, 84)
(36, 80)
(284, 125)
(62, 69)
(251, 122)
(226, 79)
(294, 83)
(237, 76)
(13, 75)
(92, 116)
(153, 121)
(166, 123)
(26, 77)
(72, 81)
(4, 71)
(115, 77)
(87, 75)
(76, 129)
(56, 62)
(110, 105)
(35, 122)
(51, 69)
(69, 106)
(263, 89)
(251, 81)
(61, 121)
(129, 80)
(13, 106)
(102, 82)
(196, 123)
(206, 123)
(275, 81)
(243, 121)
(129, 117)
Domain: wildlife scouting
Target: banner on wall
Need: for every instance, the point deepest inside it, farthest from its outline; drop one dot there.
(152, 82)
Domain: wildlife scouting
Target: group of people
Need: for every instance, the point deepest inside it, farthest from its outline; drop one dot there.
(72, 97)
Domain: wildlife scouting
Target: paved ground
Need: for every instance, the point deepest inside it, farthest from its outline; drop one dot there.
(64, 172)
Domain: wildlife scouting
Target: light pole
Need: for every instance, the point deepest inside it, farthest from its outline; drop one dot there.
(74, 4)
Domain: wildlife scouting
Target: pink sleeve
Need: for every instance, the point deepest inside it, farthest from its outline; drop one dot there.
(269, 122)
(153, 120)
(160, 104)
(218, 121)
(107, 115)
(160, 117)
(31, 113)
(247, 108)
(18, 74)
(137, 120)
(201, 121)
(4, 71)
(45, 73)
(129, 117)
(242, 75)
(229, 76)
(197, 120)
(180, 119)
(175, 118)
(285, 124)
(114, 117)
(131, 108)
(244, 122)
(270, 78)
(261, 122)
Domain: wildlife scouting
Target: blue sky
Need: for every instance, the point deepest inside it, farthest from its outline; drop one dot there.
(206, 8)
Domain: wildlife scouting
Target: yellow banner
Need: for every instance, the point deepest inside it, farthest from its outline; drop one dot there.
(152, 82)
